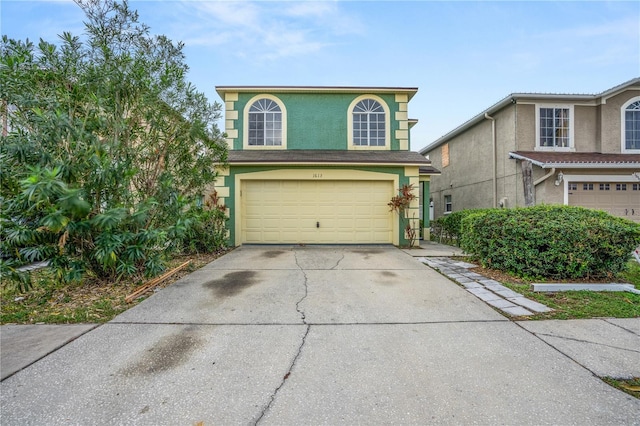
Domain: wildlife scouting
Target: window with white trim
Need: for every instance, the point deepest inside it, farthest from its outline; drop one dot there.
(631, 131)
(369, 123)
(448, 204)
(554, 127)
(265, 123)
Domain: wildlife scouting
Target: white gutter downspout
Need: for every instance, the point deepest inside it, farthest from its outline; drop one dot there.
(495, 171)
(545, 177)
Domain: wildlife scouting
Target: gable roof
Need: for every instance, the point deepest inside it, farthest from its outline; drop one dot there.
(578, 160)
(514, 97)
(409, 91)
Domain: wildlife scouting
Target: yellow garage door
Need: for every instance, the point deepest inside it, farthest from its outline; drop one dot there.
(293, 211)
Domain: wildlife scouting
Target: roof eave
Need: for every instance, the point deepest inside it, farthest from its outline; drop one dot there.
(468, 124)
(327, 163)
(410, 91)
(512, 98)
(574, 165)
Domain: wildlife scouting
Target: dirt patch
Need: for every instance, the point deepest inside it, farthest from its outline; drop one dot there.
(271, 254)
(388, 278)
(91, 301)
(232, 283)
(166, 355)
(366, 251)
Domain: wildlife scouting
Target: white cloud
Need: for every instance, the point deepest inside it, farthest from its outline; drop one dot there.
(264, 31)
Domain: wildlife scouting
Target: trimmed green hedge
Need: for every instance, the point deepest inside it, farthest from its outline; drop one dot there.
(448, 229)
(558, 242)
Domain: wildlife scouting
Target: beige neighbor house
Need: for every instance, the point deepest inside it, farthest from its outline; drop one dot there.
(529, 149)
(319, 165)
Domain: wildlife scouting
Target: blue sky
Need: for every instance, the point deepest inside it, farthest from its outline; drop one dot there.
(463, 56)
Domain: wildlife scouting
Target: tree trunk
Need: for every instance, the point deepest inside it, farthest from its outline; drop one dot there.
(527, 183)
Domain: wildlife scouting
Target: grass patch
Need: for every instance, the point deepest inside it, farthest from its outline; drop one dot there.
(582, 304)
(630, 386)
(632, 274)
(89, 301)
(579, 304)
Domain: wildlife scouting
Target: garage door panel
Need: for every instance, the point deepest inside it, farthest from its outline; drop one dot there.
(288, 211)
(617, 198)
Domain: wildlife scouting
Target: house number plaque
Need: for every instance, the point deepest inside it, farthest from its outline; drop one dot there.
(317, 175)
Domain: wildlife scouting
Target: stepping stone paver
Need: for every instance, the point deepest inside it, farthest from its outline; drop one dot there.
(530, 304)
(517, 311)
(489, 290)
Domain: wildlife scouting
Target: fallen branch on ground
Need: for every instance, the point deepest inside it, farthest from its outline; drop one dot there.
(154, 282)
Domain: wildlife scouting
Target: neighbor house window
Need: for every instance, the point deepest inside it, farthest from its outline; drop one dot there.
(631, 123)
(554, 127)
(265, 123)
(369, 127)
(448, 206)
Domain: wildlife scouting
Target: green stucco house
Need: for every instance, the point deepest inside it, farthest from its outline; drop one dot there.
(318, 165)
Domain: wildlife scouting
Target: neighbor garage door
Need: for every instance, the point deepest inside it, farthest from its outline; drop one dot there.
(617, 198)
(290, 211)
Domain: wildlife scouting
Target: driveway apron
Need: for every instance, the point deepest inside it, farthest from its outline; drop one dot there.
(289, 335)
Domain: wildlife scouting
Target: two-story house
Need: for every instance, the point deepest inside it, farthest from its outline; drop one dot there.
(528, 149)
(318, 165)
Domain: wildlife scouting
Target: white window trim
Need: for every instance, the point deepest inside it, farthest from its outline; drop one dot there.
(571, 146)
(623, 142)
(387, 124)
(444, 204)
(567, 179)
(245, 124)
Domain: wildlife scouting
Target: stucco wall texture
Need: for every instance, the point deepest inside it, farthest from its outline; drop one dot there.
(316, 120)
(468, 178)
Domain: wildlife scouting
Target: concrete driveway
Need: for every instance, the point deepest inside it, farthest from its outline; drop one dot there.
(311, 335)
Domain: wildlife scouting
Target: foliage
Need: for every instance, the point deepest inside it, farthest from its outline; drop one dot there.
(447, 229)
(53, 302)
(400, 204)
(582, 304)
(550, 241)
(202, 228)
(108, 147)
(632, 273)
(630, 386)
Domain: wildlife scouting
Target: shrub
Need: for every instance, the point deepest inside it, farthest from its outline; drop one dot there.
(447, 229)
(203, 230)
(550, 241)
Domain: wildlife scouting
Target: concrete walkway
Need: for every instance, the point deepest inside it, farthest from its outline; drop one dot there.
(322, 335)
(491, 291)
(22, 345)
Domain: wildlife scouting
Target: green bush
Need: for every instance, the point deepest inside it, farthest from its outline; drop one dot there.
(447, 229)
(204, 231)
(558, 242)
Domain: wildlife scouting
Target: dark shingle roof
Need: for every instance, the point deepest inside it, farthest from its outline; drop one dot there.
(327, 157)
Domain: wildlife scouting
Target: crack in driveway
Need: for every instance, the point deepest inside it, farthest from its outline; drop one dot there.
(338, 262)
(585, 341)
(272, 397)
(306, 289)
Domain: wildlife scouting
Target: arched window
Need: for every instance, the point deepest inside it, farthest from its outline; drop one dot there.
(369, 123)
(265, 123)
(631, 130)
